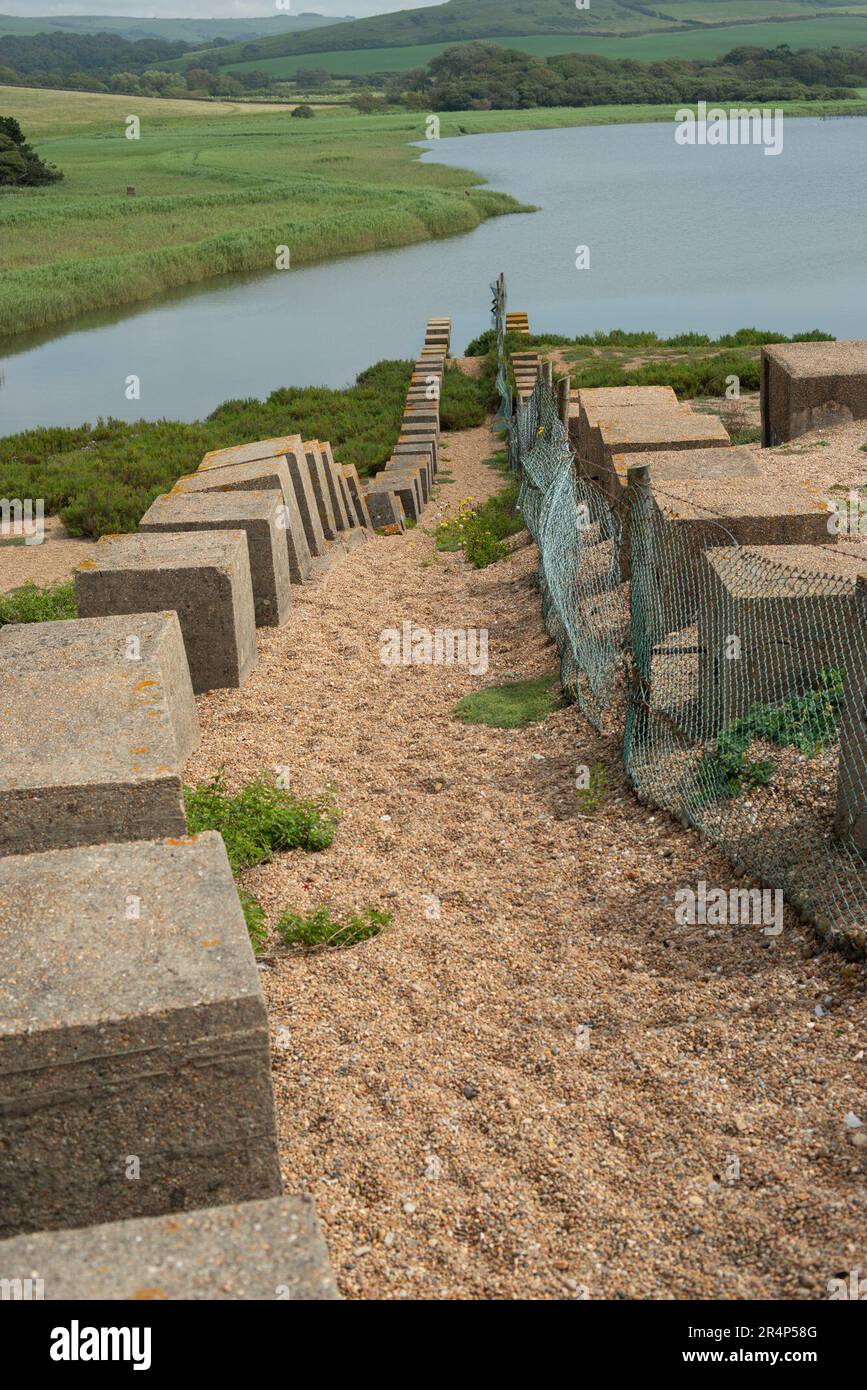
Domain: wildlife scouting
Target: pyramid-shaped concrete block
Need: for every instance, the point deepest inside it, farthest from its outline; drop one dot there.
(259, 515)
(134, 1059)
(204, 577)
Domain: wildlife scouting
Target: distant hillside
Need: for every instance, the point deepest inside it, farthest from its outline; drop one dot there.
(459, 20)
(277, 26)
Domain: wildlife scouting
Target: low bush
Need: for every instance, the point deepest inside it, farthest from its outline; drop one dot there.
(260, 820)
(30, 604)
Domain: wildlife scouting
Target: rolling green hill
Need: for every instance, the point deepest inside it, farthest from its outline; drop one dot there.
(277, 26)
(704, 43)
(459, 20)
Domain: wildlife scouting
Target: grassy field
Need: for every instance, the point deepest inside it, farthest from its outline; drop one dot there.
(220, 187)
(844, 31)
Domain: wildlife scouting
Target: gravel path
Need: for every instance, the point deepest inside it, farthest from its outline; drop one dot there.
(435, 1089)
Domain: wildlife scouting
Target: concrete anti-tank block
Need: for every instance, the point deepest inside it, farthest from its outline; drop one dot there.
(149, 646)
(204, 577)
(268, 1250)
(260, 515)
(134, 1059)
(265, 475)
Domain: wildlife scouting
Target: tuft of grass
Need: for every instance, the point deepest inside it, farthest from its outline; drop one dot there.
(30, 604)
(260, 820)
(319, 931)
(511, 706)
(750, 434)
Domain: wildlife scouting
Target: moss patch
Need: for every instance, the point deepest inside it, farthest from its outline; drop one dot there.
(511, 706)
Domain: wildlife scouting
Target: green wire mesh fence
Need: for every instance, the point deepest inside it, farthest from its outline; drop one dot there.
(737, 673)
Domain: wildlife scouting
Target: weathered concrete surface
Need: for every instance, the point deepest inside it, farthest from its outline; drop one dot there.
(738, 461)
(267, 1250)
(204, 577)
(772, 619)
(335, 491)
(260, 515)
(89, 754)
(805, 386)
(414, 468)
(406, 456)
(694, 514)
(265, 475)
(249, 453)
(146, 646)
(417, 448)
(319, 481)
(385, 507)
(408, 488)
(134, 1059)
(647, 432)
(356, 493)
(589, 404)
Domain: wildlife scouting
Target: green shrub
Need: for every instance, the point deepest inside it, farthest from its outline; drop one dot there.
(100, 479)
(254, 916)
(30, 604)
(465, 401)
(480, 530)
(260, 820)
(318, 930)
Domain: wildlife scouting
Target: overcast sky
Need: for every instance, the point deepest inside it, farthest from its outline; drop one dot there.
(207, 9)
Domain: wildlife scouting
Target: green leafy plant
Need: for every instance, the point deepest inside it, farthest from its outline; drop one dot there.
(260, 820)
(590, 797)
(319, 931)
(254, 916)
(30, 604)
(806, 722)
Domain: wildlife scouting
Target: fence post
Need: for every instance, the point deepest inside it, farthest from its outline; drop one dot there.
(850, 822)
(564, 386)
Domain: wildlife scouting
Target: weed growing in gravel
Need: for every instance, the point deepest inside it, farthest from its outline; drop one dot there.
(319, 931)
(480, 529)
(260, 820)
(805, 722)
(256, 823)
(511, 706)
(254, 916)
(30, 604)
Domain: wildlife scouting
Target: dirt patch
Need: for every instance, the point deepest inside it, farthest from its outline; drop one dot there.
(51, 562)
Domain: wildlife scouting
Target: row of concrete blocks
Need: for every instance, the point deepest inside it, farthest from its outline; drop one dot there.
(134, 1059)
(525, 365)
(807, 386)
(400, 491)
(755, 570)
(224, 547)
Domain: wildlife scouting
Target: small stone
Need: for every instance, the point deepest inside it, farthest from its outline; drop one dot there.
(851, 1121)
(470, 1091)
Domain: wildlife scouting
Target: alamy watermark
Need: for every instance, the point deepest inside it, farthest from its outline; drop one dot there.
(737, 907)
(22, 519)
(409, 645)
(737, 126)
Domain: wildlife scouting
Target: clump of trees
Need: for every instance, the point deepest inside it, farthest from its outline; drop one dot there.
(20, 165)
(486, 76)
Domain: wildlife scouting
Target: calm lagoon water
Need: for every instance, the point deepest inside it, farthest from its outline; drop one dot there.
(680, 238)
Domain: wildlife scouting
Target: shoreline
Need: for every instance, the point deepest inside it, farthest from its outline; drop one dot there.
(435, 202)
